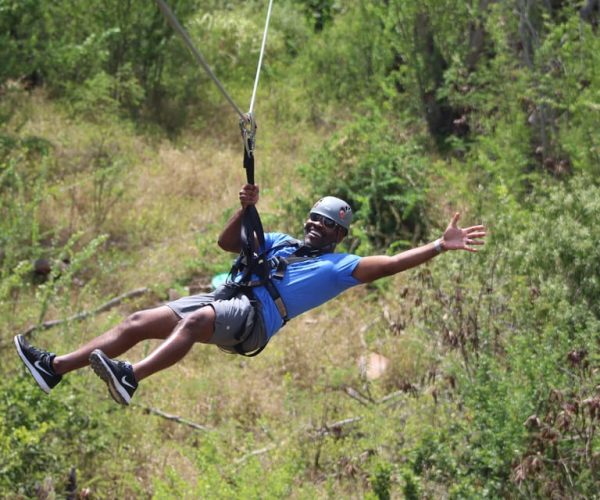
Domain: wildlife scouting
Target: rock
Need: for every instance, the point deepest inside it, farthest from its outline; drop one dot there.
(373, 365)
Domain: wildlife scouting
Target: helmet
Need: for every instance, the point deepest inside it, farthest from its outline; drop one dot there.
(334, 208)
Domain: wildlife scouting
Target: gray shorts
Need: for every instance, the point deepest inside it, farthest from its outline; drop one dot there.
(238, 320)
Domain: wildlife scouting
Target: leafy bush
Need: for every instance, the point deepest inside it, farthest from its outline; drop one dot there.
(382, 175)
(523, 323)
(43, 437)
(350, 45)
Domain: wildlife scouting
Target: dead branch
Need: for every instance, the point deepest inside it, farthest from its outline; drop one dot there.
(336, 427)
(391, 396)
(254, 453)
(174, 418)
(354, 394)
(138, 292)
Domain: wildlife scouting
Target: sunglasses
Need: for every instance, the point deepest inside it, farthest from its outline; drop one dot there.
(326, 221)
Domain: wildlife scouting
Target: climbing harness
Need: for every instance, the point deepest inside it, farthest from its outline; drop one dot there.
(262, 270)
(252, 256)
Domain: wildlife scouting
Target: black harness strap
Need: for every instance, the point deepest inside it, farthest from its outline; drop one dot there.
(251, 223)
(253, 259)
(268, 269)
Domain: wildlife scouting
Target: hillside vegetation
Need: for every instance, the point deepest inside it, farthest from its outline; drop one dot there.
(120, 162)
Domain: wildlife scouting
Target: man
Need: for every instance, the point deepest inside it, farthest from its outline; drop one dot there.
(242, 319)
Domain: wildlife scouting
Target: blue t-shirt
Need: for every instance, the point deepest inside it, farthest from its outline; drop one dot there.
(306, 284)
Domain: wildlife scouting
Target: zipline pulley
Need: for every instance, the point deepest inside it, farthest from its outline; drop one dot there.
(248, 129)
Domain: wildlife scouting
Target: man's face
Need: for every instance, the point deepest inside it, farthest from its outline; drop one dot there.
(320, 231)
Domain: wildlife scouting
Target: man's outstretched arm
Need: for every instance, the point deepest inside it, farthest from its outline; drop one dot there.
(230, 239)
(454, 238)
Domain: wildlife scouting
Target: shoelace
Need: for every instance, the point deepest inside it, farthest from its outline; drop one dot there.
(45, 358)
(126, 367)
(39, 353)
(122, 365)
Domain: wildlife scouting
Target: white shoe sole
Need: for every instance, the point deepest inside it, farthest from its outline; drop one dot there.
(102, 369)
(38, 378)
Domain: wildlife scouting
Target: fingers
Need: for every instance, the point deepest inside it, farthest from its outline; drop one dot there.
(249, 187)
(470, 241)
(457, 238)
(249, 194)
(475, 234)
(454, 221)
(473, 229)
(473, 240)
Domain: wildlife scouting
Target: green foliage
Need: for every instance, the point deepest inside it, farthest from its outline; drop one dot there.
(320, 13)
(411, 486)
(109, 57)
(568, 85)
(522, 327)
(495, 355)
(350, 46)
(381, 480)
(22, 185)
(222, 477)
(43, 437)
(561, 247)
(102, 94)
(382, 176)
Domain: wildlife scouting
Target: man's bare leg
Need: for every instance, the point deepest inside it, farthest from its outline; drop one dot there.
(197, 327)
(157, 323)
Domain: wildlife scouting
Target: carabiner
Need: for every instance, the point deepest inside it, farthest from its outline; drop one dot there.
(248, 128)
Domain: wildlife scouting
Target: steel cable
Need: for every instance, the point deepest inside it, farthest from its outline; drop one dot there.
(168, 13)
(260, 57)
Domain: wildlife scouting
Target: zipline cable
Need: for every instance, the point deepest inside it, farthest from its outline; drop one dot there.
(260, 57)
(251, 223)
(168, 13)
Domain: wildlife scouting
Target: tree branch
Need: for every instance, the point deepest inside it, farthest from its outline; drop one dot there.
(336, 427)
(138, 292)
(354, 394)
(174, 418)
(254, 453)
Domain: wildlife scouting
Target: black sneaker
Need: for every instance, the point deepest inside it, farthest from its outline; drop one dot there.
(117, 374)
(39, 363)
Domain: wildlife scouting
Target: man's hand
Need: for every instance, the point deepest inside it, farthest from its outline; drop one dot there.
(249, 195)
(456, 238)
(229, 239)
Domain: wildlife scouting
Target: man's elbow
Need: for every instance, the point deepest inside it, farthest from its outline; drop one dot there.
(228, 246)
(223, 244)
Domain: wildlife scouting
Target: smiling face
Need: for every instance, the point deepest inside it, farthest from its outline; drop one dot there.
(322, 232)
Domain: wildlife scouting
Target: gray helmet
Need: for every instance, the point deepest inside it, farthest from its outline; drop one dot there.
(334, 208)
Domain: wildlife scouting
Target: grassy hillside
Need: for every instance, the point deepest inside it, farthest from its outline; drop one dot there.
(120, 163)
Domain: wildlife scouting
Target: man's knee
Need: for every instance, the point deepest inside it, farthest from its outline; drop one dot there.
(146, 322)
(134, 322)
(200, 324)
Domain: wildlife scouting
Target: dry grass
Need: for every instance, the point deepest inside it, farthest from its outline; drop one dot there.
(177, 196)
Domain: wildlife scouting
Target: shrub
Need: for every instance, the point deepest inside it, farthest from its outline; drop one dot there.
(524, 322)
(381, 174)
